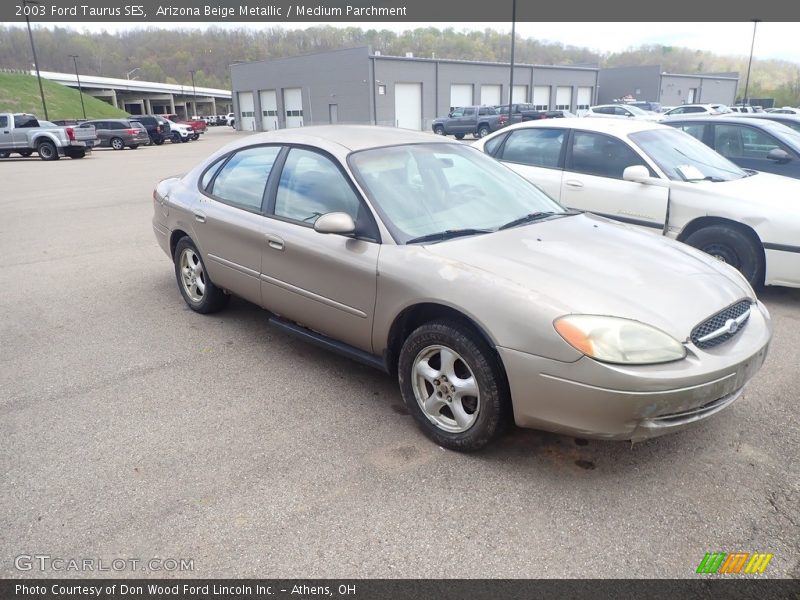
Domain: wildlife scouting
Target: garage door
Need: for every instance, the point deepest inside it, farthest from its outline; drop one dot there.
(563, 98)
(460, 95)
(520, 93)
(293, 104)
(247, 115)
(541, 97)
(269, 110)
(584, 98)
(408, 105)
(490, 95)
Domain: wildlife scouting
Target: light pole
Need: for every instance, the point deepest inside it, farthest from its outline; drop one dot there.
(80, 89)
(194, 94)
(750, 62)
(513, 43)
(36, 60)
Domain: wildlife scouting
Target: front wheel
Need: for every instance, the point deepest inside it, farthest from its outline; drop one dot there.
(438, 130)
(732, 246)
(196, 136)
(196, 288)
(453, 385)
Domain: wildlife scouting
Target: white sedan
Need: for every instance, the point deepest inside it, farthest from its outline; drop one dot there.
(665, 181)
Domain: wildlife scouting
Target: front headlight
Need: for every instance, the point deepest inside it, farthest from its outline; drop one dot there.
(617, 340)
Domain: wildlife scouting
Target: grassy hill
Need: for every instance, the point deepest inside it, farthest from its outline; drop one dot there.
(20, 93)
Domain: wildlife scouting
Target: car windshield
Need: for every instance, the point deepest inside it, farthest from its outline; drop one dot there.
(684, 158)
(780, 130)
(426, 189)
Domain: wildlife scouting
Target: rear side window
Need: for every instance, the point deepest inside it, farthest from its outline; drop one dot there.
(696, 130)
(601, 155)
(739, 141)
(537, 147)
(242, 180)
(3, 121)
(493, 144)
(25, 121)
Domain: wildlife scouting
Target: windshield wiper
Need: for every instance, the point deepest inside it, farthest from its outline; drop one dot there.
(530, 218)
(447, 235)
(713, 178)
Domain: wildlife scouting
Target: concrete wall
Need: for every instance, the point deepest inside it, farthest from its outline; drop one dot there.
(640, 82)
(340, 77)
(648, 83)
(352, 79)
(675, 89)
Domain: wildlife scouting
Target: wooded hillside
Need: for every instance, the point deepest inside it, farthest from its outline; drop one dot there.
(168, 56)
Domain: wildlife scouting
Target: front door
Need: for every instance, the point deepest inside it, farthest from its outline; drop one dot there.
(592, 181)
(326, 282)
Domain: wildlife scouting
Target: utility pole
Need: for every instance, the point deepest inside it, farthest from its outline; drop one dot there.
(36, 60)
(194, 94)
(80, 89)
(750, 63)
(513, 44)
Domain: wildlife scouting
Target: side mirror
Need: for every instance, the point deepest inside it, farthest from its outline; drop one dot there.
(779, 156)
(636, 173)
(335, 222)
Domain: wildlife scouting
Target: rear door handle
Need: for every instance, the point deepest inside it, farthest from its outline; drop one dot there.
(199, 217)
(274, 242)
(574, 183)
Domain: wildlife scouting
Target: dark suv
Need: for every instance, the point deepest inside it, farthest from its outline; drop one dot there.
(157, 127)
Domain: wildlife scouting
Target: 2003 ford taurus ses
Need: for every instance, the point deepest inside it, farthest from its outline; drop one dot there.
(483, 296)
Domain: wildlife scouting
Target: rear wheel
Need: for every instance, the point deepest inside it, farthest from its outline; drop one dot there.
(732, 246)
(196, 288)
(117, 143)
(483, 131)
(453, 385)
(47, 151)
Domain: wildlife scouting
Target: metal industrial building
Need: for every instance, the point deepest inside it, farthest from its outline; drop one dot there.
(652, 83)
(357, 85)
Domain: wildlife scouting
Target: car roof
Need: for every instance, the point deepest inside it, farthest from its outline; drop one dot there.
(612, 126)
(350, 137)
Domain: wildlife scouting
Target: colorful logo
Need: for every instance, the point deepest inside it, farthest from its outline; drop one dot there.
(737, 562)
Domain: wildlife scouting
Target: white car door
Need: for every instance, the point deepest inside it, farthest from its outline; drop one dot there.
(537, 155)
(592, 181)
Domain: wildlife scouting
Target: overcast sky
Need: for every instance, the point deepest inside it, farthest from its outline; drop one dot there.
(773, 40)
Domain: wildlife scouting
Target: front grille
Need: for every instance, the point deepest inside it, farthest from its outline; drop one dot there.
(720, 324)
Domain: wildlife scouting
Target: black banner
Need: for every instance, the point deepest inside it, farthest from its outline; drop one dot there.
(442, 11)
(400, 589)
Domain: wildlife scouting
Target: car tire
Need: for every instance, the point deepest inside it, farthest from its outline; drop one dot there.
(158, 142)
(134, 146)
(175, 138)
(196, 136)
(459, 136)
(5, 154)
(76, 153)
(483, 131)
(116, 143)
(438, 130)
(47, 151)
(25, 153)
(732, 246)
(439, 359)
(195, 286)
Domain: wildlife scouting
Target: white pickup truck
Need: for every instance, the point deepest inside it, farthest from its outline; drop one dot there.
(23, 134)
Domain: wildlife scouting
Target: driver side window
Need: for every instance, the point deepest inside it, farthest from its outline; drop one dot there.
(310, 186)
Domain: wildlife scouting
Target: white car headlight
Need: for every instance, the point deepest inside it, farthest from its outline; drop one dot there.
(617, 340)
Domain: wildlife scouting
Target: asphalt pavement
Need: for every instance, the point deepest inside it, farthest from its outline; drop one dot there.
(133, 428)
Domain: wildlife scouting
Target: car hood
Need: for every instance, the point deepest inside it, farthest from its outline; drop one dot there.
(585, 264)
(765, 189)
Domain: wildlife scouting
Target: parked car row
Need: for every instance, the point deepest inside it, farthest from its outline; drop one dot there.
(475, 287)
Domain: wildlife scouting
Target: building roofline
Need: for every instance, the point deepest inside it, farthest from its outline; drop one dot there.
(481, 62)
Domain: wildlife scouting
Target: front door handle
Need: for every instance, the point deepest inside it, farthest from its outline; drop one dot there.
(199, 217)
(274, 242)
(574, 183)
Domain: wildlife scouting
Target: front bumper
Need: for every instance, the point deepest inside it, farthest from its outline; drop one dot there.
(588, 398)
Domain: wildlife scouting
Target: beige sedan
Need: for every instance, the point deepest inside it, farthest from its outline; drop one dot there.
(484, 297)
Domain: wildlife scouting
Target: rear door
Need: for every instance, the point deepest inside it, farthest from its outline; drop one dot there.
(5, 133)
(537, 154)
(326, 282)
(592, 181)
(229, 219)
